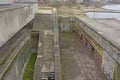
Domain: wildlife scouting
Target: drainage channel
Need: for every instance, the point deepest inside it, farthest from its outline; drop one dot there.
(44, 66)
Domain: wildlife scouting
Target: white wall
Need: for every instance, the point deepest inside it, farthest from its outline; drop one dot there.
(79, 1)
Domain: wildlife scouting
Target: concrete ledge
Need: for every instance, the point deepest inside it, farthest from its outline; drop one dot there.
(17, 52)
(13, 19)
(100, 33)
(38, 63)
(58, 74)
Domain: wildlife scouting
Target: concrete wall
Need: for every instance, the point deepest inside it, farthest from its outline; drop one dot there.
(65, 23)
(19, 51)
(14, 19)
(14, 32)
(104, 54)
(44, 24)
(16, 70)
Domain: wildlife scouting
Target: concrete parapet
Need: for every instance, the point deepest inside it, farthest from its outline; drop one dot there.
(48, 65)
(12, 19)
(44, 66)
(58, 71)
(65, 23)
(105, 41)
(100, 37)
(15, 44)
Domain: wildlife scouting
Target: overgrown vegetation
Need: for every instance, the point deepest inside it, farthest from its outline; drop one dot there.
(29, 71)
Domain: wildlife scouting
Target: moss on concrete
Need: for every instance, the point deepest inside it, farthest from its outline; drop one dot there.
(29, 71)
(12, 61)
(4, 58)
(118, 71)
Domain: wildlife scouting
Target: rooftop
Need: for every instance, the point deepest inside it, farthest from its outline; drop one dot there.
(109, 29)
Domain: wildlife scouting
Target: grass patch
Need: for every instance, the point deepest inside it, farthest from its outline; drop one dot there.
(29, 71)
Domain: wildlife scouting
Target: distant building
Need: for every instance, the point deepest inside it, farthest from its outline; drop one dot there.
(96, 0)
(79, 1)
(5, 2)
(51, 0)
(115, 1)
(86, 1)
(57, 0)
(107, 1)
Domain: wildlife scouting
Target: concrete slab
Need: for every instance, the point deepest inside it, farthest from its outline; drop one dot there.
(113, 23)
(48, 67)
(48, 32)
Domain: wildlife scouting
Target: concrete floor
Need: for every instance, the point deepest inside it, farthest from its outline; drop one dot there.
(112, 23)
(77, 64)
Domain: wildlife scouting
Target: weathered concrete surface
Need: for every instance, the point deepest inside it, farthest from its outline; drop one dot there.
(44, 66)
(110, 33)
(65, 23)
(38, 64)
(77, 64)
(58, 74)
(48, 59)
(93, 32)
(106, 36)
(13, 19)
